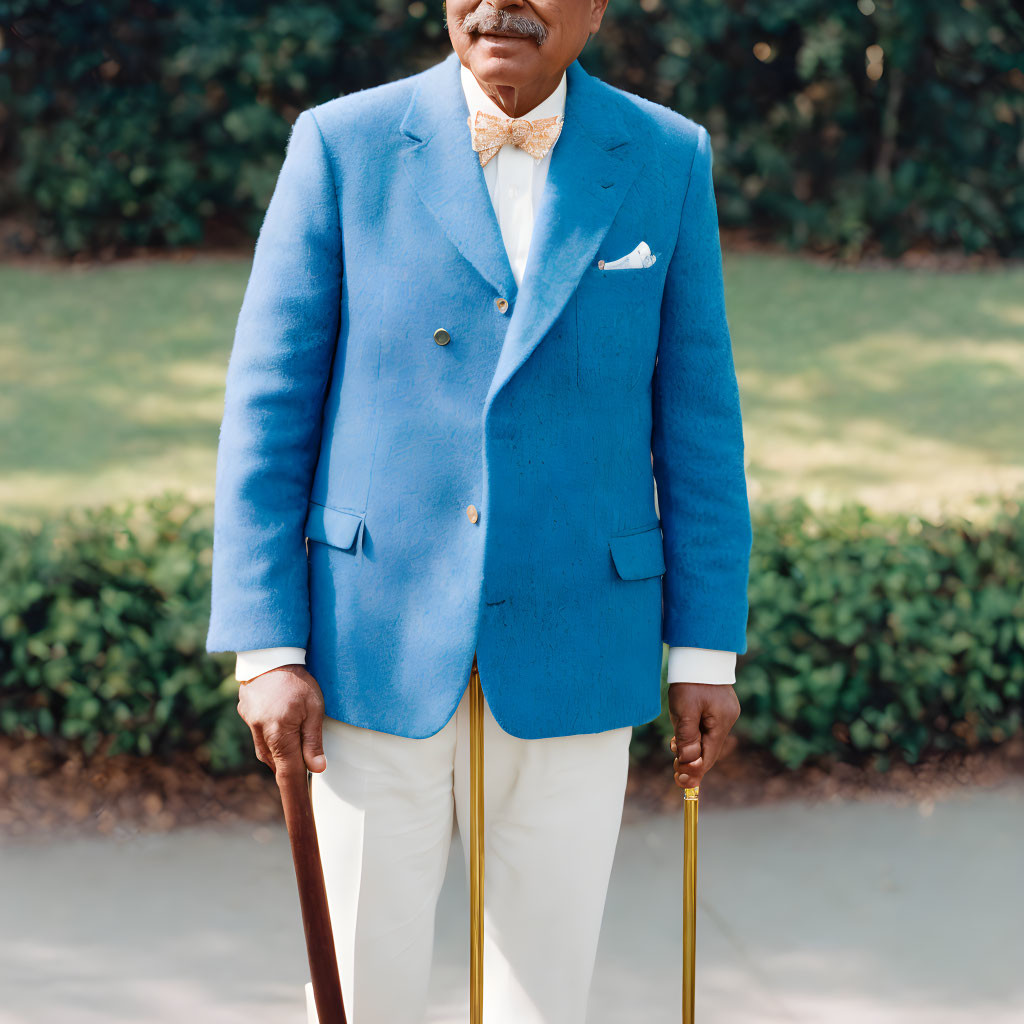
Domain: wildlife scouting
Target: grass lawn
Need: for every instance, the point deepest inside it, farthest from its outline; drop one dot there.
(900, 388)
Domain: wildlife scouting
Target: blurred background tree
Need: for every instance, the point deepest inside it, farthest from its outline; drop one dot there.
(867, 126)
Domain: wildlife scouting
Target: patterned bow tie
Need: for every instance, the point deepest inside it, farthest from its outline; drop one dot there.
(490, 133)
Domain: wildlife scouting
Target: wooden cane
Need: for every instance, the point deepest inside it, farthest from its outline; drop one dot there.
(691, 802)
(476, 847)
(309, 874)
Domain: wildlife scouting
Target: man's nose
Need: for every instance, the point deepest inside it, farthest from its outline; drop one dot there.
(500, 5)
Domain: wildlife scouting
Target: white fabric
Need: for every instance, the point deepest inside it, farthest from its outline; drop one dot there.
(515, 181)
(249, 664)
(701, 665)
(383, 809)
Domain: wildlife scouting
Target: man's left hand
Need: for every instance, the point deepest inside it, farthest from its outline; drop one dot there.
(702, 715)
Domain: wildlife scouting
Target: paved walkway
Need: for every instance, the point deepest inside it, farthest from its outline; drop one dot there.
(828, 914)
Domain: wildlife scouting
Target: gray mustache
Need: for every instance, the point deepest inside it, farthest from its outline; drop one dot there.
(486, 19)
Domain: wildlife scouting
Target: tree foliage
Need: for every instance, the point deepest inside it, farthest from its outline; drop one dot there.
(868, 125)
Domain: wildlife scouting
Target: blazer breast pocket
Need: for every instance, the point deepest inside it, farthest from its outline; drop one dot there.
(618, 316)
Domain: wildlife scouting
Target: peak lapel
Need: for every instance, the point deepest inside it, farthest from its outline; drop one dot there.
(592, 166)
(447, 175)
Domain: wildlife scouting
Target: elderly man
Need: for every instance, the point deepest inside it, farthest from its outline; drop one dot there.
(482, 348)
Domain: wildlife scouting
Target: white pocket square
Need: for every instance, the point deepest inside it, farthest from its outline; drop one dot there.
(638, 259)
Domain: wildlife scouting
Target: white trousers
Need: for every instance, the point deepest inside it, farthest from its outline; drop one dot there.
(552, 812)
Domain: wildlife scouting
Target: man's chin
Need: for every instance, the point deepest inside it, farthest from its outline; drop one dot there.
(517, 64)
(497, 71)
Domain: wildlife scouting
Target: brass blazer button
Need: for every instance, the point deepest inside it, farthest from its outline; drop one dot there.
(441, 336)
(502, 305)
(472, 513)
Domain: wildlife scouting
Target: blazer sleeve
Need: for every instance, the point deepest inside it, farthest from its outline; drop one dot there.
(277, 378)
(697, 437)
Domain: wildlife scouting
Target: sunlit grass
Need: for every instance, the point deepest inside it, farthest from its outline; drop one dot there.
(118, 376)
(903, 389)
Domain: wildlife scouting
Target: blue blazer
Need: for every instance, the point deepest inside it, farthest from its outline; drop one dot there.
(356, 437)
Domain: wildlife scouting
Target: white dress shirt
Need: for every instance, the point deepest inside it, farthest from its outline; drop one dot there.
(515, 181)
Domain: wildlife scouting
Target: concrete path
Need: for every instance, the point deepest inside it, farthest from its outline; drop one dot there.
(865, 913)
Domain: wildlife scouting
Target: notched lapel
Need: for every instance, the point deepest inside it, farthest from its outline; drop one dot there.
(447, 175)
(592, 167)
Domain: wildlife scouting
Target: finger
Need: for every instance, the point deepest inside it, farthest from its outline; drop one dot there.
(715, 733)
(285, 746)
(689, 775)
(262, 750)
(688, 739)
(313, 742)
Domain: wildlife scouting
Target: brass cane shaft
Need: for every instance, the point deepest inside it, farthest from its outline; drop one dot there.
(476, 844)
(690, 806)
(691, 803)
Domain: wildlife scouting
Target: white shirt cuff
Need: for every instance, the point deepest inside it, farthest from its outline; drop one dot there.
(249, 664)
(701, 665)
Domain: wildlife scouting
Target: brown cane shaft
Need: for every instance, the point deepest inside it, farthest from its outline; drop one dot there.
(309, 875)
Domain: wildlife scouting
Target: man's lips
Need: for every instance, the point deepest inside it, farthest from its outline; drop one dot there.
(505, 35)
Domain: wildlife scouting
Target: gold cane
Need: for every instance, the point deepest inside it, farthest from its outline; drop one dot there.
(476, 847)
(690, 804)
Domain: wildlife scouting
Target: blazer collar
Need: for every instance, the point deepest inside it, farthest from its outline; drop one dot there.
(446, 173)
(593, 164)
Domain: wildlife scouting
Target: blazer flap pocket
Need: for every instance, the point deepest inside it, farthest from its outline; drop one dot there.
(638, 553)
(332, 526)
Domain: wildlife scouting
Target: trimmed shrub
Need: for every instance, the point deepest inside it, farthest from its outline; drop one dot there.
(103, 620)
(869, 639)
(873, 640)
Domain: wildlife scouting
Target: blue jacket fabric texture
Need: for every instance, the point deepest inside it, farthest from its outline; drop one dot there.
(352, 443)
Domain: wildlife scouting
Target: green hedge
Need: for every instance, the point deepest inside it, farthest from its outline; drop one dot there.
(869, 124)
(868, 639)
(103, 620)
(872, 640)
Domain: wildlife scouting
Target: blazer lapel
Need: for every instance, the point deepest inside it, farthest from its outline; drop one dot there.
(448, 177)
(592, 166)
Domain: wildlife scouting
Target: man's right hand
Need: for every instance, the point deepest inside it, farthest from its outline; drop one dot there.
(284, 708)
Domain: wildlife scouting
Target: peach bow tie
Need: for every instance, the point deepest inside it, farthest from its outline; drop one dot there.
(490, 133)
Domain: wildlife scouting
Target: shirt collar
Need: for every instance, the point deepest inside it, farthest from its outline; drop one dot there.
(477, 99)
